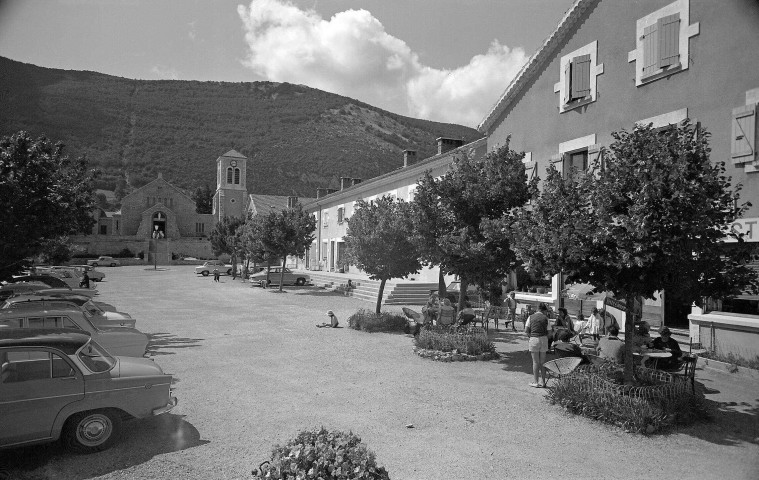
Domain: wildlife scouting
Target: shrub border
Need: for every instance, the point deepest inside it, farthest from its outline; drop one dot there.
(454, 356)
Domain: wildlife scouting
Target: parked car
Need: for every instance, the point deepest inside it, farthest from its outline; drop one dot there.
(290, 277)
(10, 289)
(212, 265)
(53, 281)
(95, 275)
(98, 316)
(103, 260)
(60, 384)
(125, 341)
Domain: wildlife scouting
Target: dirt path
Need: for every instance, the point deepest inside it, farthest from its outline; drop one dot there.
(252, 370)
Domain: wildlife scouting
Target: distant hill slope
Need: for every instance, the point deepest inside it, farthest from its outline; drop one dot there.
(296, 138)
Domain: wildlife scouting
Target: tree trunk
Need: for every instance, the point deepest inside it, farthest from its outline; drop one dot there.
(379, 295)
(282, 272)
(463, 286)
(441, 284)
(629, 331)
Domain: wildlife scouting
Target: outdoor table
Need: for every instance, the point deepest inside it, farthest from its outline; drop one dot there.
(651, 354)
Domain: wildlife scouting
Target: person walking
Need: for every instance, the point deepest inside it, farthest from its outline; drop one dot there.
(216, 274)
(536, 328)
(511, 309)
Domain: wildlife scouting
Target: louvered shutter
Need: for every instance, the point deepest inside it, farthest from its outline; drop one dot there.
(580, 77)
(669, 40)
(650, 49)
(340, 215)
(743, 142)
(595, 156)
(568, 82)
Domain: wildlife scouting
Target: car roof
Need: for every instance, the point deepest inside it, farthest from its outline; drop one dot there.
(10, 312)
(37, 298)
(68, 340)
(48, 279)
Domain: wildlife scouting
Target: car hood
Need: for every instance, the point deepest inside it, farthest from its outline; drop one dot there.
(116, 316)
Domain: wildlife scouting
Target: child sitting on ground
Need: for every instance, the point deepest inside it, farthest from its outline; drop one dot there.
(333, 321)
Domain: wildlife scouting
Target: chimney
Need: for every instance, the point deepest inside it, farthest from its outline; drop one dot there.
(409, 157)
(356, 181)
(292, 202)
(345, 182)
(322, 191)
(447, 144)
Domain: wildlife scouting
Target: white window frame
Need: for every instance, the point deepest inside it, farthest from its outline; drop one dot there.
(595, 70)
(665, 119)
(681, 7)
(573, 146)
(411, 192)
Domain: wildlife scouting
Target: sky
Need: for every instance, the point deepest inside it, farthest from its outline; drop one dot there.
(441, 60)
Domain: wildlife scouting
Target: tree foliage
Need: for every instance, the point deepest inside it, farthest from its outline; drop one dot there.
(380, 241)
(223, 235)
(278, 234)
(203, 198)
(652, 217)
(43, 195)
(459, 217)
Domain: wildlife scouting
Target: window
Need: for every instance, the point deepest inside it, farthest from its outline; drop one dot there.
(200, 228)
(237, 176)
(340, 214)
(577, 162)
(325, 219)
(103, 229)
(411, 192)
(529, 166)
(577, 77)
(229, 175)
(117, 225)
(662, 41)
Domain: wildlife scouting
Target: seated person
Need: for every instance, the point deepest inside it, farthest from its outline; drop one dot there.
(563, 324)
(641, 337)
(564, 348)
(611, 348)
(431, 309)
(333, 323)
(447, 314)
(668, 344)
(466, 315)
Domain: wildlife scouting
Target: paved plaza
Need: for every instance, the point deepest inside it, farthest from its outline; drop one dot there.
(251, 370)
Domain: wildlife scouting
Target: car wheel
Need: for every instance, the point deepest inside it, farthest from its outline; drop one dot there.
(300, 282)
(229, 272)
(113, 264)
(204, 273)
(92, 431)
(95, 264)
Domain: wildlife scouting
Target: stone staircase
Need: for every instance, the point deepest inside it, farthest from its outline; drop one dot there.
(396, 292)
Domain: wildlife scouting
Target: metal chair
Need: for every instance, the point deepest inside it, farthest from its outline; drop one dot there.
(562, 366)
(688, 372)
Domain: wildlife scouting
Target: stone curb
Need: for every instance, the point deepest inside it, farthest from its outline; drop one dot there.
(456, 356)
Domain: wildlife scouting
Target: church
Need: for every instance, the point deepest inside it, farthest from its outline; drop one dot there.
(159, 220)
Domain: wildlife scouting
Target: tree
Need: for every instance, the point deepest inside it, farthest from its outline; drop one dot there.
(43, 195)
(454, 216)
(56, 251)
(654, 220)
(380, 241)
(283, 233)
(203, 198)
(224, 238)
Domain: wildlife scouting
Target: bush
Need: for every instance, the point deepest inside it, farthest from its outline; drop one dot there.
(442, 339)
(369, 321)
(321, 454)
(623, 405)
(124, 253)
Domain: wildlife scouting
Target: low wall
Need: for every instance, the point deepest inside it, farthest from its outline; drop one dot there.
(112, 245)
(726, 332)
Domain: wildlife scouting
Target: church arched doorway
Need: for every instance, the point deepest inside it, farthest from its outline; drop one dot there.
(159, 225)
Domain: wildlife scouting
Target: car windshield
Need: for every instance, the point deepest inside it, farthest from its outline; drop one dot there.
(95, 358)
(92, 308)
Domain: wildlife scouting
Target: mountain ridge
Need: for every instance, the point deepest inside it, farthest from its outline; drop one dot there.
(296, 138)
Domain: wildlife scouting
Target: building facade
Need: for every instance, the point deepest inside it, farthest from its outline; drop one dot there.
(332, 208)
(610, 65)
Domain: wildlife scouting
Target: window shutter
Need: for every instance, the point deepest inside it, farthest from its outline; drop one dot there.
(580, 77)
(669, 41)
(340, 214)
(650, 48)
(743, 142)
(568, 82)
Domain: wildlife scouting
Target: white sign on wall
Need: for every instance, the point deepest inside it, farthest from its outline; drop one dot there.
(749, 227)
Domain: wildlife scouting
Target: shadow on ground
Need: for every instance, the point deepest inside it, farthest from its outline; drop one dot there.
(319, 293)
(141, 440)
(520, 361)
(162, 343)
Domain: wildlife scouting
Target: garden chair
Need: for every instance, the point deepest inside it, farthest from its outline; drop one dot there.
(688, 371)
(562, 366)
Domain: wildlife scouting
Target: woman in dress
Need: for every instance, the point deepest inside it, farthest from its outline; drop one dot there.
(536, 328)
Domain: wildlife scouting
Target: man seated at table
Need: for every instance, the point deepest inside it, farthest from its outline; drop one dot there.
(431, 309)
(611, 348)
(668, 344)
(564, 348)
(466, 315)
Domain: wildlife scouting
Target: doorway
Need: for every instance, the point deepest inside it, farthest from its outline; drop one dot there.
(159, 225)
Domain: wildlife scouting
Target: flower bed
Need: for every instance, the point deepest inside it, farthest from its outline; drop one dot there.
(454, 356)
(441, 344)
(656, 400)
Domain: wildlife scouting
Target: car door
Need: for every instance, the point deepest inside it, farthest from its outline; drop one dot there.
(35, 384)
(289, 277)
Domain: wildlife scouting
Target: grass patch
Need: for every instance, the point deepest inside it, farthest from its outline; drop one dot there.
(369, 321)
(732, 359)
(650, 406)
(442, 339)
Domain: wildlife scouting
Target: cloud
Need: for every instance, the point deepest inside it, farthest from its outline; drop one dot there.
(165, 73)
(352, 55)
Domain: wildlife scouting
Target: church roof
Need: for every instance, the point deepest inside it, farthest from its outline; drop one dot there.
(265, 203)
(234, 154)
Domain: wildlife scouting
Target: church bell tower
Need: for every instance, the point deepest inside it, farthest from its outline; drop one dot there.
(231, 194)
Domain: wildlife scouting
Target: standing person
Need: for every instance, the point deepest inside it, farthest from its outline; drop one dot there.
(85, 281)
(607, 321)
(216, 274)
(537, 329)
(244, 273)
(511, 309)
(594, 324)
